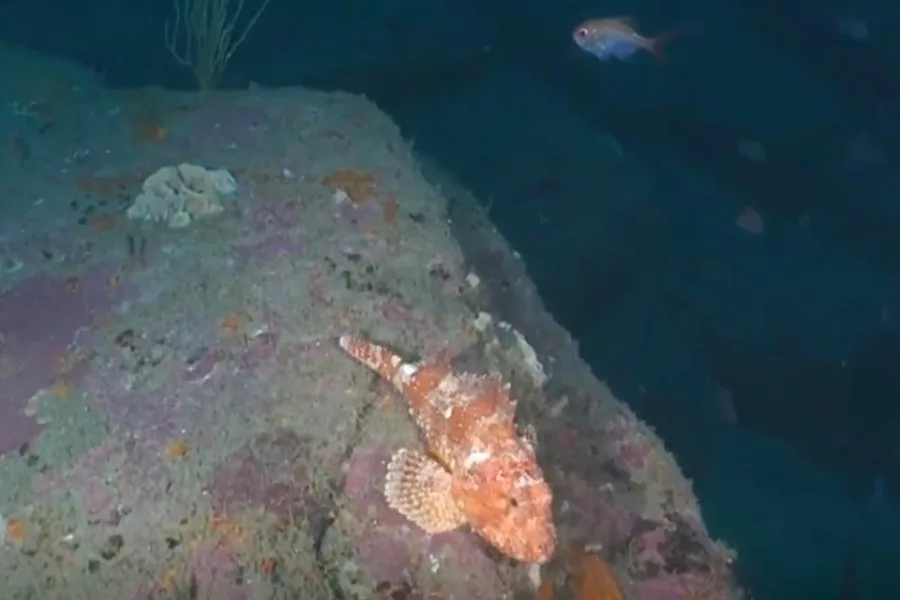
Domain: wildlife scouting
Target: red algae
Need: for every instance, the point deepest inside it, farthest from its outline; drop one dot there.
(40, 318)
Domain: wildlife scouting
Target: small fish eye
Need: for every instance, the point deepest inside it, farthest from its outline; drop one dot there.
(581, 32)
(513, 502)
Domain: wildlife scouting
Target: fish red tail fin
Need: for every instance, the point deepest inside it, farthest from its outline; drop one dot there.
(378, 358)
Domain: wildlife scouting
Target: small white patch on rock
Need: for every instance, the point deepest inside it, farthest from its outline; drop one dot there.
(535, 368)
(340, 196)
(482, 321)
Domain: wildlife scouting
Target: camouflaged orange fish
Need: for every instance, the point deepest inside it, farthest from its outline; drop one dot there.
(477, 469)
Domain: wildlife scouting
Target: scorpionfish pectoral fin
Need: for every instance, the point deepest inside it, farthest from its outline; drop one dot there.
(419, 488)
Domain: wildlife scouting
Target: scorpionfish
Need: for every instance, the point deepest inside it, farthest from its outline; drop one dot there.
(476, 468)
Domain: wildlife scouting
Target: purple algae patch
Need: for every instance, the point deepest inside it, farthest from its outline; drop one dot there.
(675, 587)
(196, 391)
(40, 318)
(103, 480)
(154, 418)
(279, 245)
(148, 417)
(89, 469)
(225, 127)
(215, 570)
(598, 497)
(389, 546)
(268, 472)
(596, 515)
(365, 482)
(362, 217)
(98, 501)
(259, 350)
(202, 365)
(212, 571)
(276, 215)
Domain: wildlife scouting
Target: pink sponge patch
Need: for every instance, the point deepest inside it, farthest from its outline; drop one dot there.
(39, 320)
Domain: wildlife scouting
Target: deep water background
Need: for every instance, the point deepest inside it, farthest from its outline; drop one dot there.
(770, 363)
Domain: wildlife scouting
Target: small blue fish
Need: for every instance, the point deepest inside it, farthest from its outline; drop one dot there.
(617, 38)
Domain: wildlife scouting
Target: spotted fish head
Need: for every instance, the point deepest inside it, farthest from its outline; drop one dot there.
(506, 501)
